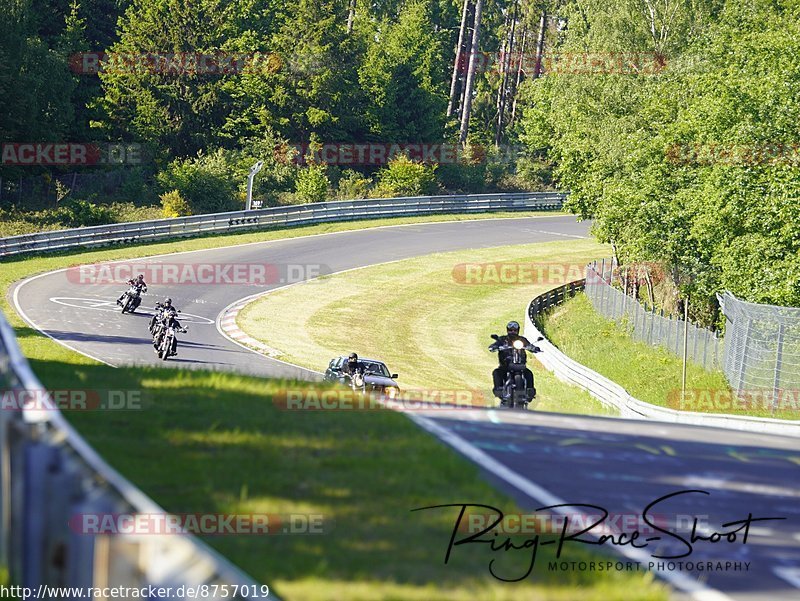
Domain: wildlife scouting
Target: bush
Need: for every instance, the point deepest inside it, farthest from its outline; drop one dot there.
(312, 184)
(78, 213)
(174, 205)
(206, 182)
(352, 185)
(404, 177)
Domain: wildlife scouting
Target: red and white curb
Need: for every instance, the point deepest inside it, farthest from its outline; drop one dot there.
(229, 327)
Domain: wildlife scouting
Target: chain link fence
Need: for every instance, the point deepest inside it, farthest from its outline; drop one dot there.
(702, 346)
(763, 349)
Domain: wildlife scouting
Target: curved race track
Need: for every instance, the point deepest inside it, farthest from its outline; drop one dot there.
(542, 459)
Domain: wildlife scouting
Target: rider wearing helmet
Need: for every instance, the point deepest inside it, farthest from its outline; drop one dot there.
(166, 312)
(352, 365)
(499, 374)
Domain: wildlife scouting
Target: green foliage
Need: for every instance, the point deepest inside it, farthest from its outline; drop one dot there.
(206, 182)
(404, 177)
(404, 74)
(694, 165)
(312, 184)
(174, 205)
(79, 213)
(352, 185)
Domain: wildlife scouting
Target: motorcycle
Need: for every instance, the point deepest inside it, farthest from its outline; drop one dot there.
(515, 392)
(157, 322)
(131, 299)
(168, 341)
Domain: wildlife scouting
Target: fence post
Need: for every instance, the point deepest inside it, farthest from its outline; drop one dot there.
(742, 368)
(776, 380)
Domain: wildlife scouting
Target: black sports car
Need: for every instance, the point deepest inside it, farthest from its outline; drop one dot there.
(377, 378)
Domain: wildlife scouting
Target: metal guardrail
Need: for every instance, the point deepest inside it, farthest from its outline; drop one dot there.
(615, 396)
(49, 475)
(293, 215)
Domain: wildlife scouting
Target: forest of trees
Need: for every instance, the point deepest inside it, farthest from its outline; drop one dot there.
(673, 123)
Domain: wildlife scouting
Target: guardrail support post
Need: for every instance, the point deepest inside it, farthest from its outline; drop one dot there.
(776, 381)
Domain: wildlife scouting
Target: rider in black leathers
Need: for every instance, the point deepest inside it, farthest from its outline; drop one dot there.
(163, 319)
(352, 366)
(499, 374)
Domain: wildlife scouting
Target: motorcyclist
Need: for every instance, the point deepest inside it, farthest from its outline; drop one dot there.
(504, 356)
(352, 366)
(171, 320)
(160, 308)
(162, 320)
(137, 283)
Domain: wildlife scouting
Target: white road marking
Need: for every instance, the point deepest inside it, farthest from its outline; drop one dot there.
(98, 304)
(790, 575)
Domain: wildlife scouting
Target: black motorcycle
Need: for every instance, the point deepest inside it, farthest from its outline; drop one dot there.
(514, 393)
(132, 299)
(168, 345)
(157, 322)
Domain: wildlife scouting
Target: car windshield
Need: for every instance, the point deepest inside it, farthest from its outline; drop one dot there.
(376, 368)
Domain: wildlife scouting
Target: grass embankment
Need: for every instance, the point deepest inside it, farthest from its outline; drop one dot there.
(650, 374)
(421, 318)
(214, 442)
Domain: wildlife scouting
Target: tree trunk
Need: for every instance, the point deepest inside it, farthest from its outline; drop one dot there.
(540, 43)
(519, 75)
(459, 62)
(351, 13)
(501, 109)
(473, 62)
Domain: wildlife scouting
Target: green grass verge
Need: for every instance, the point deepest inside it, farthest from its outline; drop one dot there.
(421, 319)
(650, 374)
(214, 442)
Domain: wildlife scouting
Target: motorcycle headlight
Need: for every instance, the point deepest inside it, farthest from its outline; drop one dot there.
(391, 392)
(518, 344)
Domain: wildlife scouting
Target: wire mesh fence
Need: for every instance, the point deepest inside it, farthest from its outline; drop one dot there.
(703, 346)
(762, 354)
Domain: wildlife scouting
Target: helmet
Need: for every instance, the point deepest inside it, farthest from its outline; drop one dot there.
(168, 302)
(352, 358)
(141, 277)
(512, 327)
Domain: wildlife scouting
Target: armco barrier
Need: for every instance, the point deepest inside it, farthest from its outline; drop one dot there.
(322, 212)
(613, 395)
(49, 474)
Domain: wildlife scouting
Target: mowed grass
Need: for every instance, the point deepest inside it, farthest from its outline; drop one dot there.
(650, 374)
(215, 442)
(421, 318)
